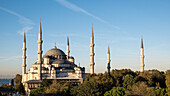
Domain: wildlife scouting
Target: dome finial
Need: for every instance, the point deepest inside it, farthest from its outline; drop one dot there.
(55, 46)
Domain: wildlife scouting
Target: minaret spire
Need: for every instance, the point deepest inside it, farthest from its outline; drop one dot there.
(108, 60)
(68, 49)
(142, 56)
(39, 61)
(55, 46)
(92, 53)
(24, 58)
(142, 42)
(92, 36)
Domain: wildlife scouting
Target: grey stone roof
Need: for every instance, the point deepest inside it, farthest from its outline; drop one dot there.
(61, 62)
(34, 81)
(54, 52)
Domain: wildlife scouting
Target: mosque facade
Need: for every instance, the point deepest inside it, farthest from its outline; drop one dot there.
(53, 65)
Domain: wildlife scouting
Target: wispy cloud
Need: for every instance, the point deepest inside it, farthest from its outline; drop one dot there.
(78, 9)
(22, 20)
(9, 58)
(26, 29)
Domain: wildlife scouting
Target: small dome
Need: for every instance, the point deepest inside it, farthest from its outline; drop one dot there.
(54, 52)
(71, 57)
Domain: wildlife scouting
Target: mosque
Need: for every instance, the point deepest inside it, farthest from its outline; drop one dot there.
(56, 65)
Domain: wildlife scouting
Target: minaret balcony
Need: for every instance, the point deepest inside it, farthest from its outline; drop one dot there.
(24, 49)
(24, 57)
(39, 52)
(92, 45)
(92, 54)
(39, 41)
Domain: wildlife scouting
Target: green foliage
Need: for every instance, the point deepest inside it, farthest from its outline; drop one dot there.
(8, 87)
(37, 91)
(106, 82)
(20, 89)
(118, 75)
(57, 89)
(158, 91)
(168, 82)
(74, 91)
(46, 83)
(139, 89)
(128, 81)
(54, 88)
(118, 83)
(18, 79)
(90, 76)
(116, 91)
(140, 79)
(154, 78)
(88, 88)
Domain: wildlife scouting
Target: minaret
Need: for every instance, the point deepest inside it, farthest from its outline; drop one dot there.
(142, 56)
(68, 50)
(92, 53)
(108, 60)
(24, 58)
(39, 61)
(55, 46)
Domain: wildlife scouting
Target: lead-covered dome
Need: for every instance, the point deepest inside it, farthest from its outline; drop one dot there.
(54, 52)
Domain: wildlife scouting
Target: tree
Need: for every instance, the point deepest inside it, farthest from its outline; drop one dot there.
(118, 75)
(18, 79)
(66, 88)
(88, 88)
(158, 91)
(106, 82)
(20, 89)
(116, 91)
(37, 91)
(54, 89)
(140, 79)
(128, 81)
(139, 89)
(74, 91)
(154, 78)
(168, 82)
(46, 83)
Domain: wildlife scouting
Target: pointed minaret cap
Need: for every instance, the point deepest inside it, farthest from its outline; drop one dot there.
(40, 26)
(55, 46)
(24, 37)
(92, 36)
(108, 50)
(142, 42)
(92, 31)
(67, 40)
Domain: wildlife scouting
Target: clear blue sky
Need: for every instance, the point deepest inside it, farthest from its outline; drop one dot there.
(119, 23)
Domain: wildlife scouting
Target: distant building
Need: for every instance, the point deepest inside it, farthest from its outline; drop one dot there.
(54, 64)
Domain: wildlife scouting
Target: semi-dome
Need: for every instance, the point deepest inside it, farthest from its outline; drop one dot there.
(54, 52)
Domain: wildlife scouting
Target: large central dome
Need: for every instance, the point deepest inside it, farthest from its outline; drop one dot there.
(54, 52)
